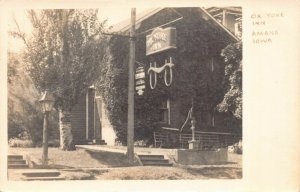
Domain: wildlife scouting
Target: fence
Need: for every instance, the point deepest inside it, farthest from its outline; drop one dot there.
(207, 140)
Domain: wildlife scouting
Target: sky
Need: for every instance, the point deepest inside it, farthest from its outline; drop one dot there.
(109, 12)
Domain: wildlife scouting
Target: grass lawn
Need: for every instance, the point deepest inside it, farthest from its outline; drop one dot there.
(171, 173)
(83, 165)
(74, 159)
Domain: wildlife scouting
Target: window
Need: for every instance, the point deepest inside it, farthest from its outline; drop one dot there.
(207, 118)
(213, 119)
(212, 64)
(165, 112)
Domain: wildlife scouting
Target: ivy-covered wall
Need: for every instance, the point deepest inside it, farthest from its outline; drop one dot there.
(197, 41)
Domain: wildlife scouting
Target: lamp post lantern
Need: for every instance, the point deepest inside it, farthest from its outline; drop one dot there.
(47, 102)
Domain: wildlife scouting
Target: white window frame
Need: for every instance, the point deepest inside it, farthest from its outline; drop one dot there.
(212, 64)
(166, 109)
(169, 111)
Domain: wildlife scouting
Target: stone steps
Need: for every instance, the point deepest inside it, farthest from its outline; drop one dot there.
(158, 164)
(14, 157)
(42, 174)
(97, 142)
(43, 178)
(17, 166)
(154, 157)
(149, 161)
(16, 162)
(154, 160)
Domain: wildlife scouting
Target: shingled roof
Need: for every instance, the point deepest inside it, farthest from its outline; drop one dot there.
(124, 26)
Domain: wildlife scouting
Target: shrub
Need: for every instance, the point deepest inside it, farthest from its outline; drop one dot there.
(28, 124)
(236, 148)
(239, 147)
(16, 142)
(25, 118)
(140, 143)
(53, 143)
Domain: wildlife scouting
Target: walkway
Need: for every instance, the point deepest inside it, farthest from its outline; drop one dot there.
(234, 160)
(123, 149)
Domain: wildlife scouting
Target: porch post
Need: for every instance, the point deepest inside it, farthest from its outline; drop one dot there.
(87, 115)
(193, 144)
(94, 106)
(99, 112)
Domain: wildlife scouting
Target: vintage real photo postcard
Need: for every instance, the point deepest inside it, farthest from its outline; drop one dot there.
(114, 92)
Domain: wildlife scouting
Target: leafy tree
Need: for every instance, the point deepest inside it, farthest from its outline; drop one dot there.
(24, 115)
(232, 101)
(63, 56)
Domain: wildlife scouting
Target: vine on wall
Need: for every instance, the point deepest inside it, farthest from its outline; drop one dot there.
(197, 41)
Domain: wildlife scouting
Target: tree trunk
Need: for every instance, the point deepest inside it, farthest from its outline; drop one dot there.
(65, 129)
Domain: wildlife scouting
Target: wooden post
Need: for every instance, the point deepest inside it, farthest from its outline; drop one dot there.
(193, 121)
(224, 19)
(130, 124)
(94, 106)
(45, 139)
(87, 116)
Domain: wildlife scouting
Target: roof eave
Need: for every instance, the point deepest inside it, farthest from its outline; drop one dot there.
(156, 10)
(220, 25)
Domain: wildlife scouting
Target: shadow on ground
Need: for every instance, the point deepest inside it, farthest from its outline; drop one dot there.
(109, 158)
(217, 172)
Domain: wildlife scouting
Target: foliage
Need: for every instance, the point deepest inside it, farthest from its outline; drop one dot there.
(192, 75)
(16, 142)
(64, 52)
(25, 119)
(63, 56)
(51, 143)
(29, 127)
(11, 72)
(236, 148)
(232, 101)
(28, 124)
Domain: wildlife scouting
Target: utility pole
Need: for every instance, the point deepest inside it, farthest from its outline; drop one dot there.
(130, 124)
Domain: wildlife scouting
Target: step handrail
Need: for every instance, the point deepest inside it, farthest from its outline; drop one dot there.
(187, 119)
(184, 124)
(170, 128)
(215, 133)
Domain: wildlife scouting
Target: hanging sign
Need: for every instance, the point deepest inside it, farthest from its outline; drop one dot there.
(160, 40)
(140, 75)
(153, 71)
(140, 80)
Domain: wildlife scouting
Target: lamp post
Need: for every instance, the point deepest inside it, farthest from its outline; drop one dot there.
(47, 102)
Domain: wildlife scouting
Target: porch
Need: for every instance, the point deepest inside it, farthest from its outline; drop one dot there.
(207, 140)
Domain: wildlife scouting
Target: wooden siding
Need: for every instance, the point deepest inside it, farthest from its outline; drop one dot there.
(98, 124)
(91, 95)
(78, 121)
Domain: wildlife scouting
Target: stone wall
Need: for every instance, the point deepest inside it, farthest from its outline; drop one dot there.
(197, 157)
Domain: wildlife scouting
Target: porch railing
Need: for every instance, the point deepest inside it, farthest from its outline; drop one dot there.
(207, 140)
